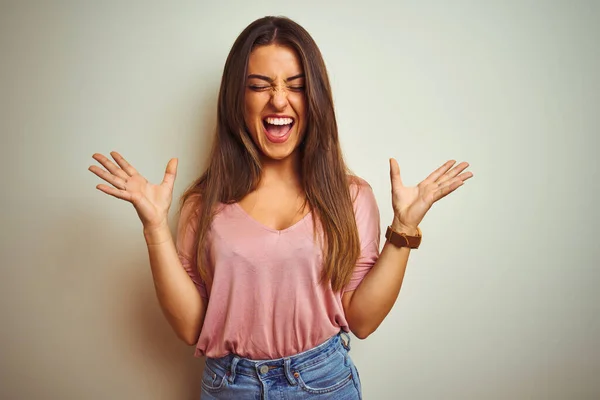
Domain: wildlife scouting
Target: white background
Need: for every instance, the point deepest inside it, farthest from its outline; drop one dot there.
(500, 301)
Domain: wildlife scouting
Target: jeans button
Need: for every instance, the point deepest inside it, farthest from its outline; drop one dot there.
(264, 369)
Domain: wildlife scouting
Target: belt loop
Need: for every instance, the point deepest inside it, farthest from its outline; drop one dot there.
(347, 343)
(232, 368)
(288, 371)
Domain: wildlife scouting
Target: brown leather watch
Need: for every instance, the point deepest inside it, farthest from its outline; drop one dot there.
(402, 239)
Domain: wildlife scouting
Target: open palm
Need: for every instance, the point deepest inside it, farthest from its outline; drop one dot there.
(410, 204)
(151, 201)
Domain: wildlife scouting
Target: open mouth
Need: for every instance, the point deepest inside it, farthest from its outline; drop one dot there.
(277, 129)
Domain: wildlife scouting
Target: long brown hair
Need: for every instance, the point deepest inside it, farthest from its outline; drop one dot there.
(234, 168)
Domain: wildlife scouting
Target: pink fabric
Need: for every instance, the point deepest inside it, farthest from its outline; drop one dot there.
(265, 301)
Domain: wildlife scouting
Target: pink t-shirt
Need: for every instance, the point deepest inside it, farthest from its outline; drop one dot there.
(265, 300)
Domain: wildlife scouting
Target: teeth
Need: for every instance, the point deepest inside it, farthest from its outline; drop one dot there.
(279, 121)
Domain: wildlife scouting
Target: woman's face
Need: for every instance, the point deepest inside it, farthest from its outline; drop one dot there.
(275, 100)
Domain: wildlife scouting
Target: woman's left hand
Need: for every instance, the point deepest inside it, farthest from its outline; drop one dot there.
(410, 204)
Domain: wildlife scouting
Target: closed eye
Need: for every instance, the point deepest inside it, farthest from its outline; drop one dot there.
(261, 88)
(258, 88)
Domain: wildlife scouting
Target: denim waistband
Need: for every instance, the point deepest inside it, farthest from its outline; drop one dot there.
(235, 364)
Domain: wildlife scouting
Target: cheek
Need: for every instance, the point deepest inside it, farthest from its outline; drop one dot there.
(298, 103)
(252, 112)
(299, 106)
(255, 103)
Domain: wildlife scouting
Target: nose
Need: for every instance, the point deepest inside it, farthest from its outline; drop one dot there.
(279, 98)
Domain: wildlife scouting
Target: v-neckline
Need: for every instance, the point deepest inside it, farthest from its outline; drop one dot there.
(268, 228)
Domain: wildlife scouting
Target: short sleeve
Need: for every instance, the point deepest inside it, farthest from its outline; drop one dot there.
(186, 245)
(368, 223)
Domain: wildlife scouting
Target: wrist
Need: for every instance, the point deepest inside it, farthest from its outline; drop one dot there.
(400, 227)
(157, 234)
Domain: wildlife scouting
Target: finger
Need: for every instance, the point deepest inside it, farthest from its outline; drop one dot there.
(395, 172)
(123, 163)
(119, 194)
(110, 166)
(460, 178)
(464, 176)
(447, 188)
(453, 172)
(108, 177)
(435, 175)
(170, 173)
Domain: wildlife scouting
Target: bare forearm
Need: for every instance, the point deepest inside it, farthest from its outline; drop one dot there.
(179, 299)
(377, 293)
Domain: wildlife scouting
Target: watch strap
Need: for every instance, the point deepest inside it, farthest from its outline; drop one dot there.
(402, 239)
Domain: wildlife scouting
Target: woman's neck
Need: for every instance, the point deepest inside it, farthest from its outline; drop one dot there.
(284, 172)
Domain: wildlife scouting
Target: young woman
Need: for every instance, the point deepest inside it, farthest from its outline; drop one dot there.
(277, 252)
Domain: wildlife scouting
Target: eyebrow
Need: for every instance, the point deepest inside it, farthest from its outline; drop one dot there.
(270, 80)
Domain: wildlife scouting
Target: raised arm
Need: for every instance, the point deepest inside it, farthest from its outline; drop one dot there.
(177, 294)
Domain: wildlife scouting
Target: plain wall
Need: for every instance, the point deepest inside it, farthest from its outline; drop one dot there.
(500, 302)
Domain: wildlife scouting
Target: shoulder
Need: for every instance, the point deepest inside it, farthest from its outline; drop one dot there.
(189, 211)
(190, 205)
(361, 191)
(366, 211)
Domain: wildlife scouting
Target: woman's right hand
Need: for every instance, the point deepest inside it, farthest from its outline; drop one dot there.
(151, 202)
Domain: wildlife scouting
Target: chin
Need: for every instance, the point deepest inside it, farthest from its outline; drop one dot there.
(277, 151)
(277, 154)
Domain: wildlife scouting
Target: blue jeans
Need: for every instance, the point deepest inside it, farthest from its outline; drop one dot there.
(323, 372)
